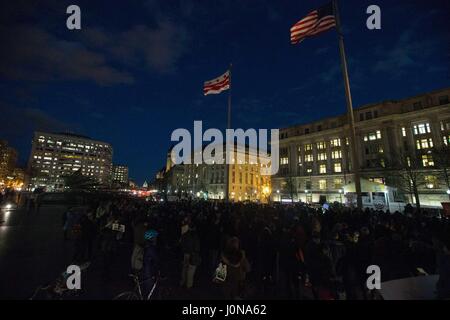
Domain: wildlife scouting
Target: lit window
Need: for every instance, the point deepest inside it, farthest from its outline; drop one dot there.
(308, 147)
(403, 132)
(338, 183)
(424, 143)
(322, 168)
(337, 154)
(371, 136)
(322, 156)
(322, 184)
(308, 157)
(446, 140)
(422, 128)
(335, 142)
(309, 170)
(427, 160)
(337, 167)
(284, 160)
(321, 145)
(431, 182)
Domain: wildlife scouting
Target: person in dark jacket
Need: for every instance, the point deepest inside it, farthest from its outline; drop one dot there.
(150, 261)
(237, 267)
(190, 247)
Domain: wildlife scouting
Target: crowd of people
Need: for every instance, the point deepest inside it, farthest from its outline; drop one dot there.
(250, 250)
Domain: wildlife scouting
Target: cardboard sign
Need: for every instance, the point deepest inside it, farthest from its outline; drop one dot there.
(118, 227)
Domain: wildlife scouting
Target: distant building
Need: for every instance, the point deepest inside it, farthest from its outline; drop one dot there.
(8, 160)
(132, 184)
(56, 155)
(120, 174)
(208, 180)
(315, 161)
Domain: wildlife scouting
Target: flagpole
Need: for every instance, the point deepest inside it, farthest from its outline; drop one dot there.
(351, 120)
(227, 165)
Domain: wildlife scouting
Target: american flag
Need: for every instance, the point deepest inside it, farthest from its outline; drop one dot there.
(315, 22)
(217, 85)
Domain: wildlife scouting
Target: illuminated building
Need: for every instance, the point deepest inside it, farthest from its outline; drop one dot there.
(315, 160)
(8, 159)
(246, 183)
(56, 155)
(120, 174)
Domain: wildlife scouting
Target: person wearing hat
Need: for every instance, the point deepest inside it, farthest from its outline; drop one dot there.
(150, 266)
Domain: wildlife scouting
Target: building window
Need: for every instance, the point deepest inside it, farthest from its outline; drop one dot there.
(300, 160)
(322, 184)
(417, 105)
(284, 161)
(427, 160)
(375, 113)
(306, 130)
(337, 154)
(422, 128)
(335, 142)
(321, 145)
(309, 170)
(338, 182)
(424, 143)
(337, 167)
(371, 136)
(322, 156)
(308, 158)
(308, 147)
(368, 115)
(403, 132)
(446, 140)
(361, 116)
(322, 168)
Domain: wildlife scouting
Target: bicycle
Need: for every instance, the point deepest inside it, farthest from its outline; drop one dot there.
(57, 290)
(137, 294)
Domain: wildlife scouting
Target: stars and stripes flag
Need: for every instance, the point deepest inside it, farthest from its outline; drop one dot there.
(217, 85)
(315, 22)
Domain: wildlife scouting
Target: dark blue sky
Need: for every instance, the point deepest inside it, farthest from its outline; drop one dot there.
(134, 72)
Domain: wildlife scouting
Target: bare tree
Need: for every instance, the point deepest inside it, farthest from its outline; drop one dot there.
(291, 186)
(405, 170)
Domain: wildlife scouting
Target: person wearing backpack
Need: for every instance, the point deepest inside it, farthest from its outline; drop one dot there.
(237, 266)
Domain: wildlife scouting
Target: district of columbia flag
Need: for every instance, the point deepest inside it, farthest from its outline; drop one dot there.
(217, 85)
(315, 22)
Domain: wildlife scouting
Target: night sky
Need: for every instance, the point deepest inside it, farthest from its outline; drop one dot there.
(134, 73)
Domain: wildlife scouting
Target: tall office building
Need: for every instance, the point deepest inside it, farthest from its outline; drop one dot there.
(56, 155)
(315, 161)
(120, 174)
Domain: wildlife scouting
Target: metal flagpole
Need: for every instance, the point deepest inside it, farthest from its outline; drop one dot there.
(351, 120)
(227, 165)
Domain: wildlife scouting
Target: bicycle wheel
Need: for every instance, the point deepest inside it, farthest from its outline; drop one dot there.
(128, 295)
